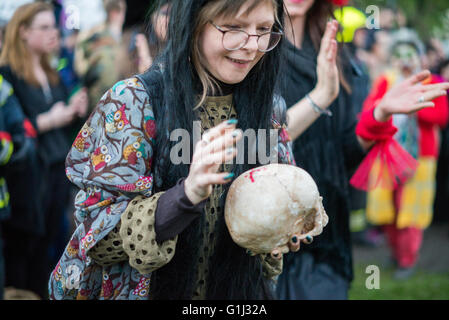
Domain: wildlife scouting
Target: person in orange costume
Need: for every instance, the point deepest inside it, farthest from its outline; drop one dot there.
(406, 210)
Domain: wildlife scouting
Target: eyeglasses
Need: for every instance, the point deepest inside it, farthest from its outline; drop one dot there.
(237, 39)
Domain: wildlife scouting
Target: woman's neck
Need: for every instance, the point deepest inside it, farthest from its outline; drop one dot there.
(224, 89)
(295, 30)
(35, 59)
(39, 72)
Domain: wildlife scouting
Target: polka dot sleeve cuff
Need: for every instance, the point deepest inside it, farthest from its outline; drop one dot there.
(139, 237)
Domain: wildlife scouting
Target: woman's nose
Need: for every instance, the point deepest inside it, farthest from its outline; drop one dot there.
(252, 44)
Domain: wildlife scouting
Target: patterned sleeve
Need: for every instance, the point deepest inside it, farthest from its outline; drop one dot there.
(278, 120)
(110, 161)
(134, 239)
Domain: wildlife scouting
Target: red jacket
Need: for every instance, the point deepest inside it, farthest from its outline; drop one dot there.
(429, 119)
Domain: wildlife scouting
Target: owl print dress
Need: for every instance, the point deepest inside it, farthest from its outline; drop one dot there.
(113, 249)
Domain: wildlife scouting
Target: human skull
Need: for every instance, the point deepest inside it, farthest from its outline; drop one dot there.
(266, 206)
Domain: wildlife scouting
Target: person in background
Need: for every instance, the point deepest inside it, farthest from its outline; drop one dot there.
(329, 141)
(406, 208)
(98, 52)
(17, 150)
(375, 54)
(148, 49)
(6, 149)
(30, 39)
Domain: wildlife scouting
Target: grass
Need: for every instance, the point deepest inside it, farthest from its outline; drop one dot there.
(421, 286)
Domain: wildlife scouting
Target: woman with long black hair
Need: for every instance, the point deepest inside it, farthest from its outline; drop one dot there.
(151, 229)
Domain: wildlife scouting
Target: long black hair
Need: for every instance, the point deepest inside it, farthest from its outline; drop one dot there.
(174, 87)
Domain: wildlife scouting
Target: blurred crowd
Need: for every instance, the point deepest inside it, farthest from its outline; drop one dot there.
(53, 73)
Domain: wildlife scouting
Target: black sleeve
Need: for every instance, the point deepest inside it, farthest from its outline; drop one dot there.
(175, 212)
(352, 150)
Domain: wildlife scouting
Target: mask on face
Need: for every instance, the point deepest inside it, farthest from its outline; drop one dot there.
(406, 58)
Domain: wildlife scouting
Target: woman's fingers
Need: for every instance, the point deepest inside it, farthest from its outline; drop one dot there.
(217, 139)
(308, 240)
(417, 78)
(328, 37)
(433, 94)
(220, 150)
(428, 95)
(215, 178)
(444, 86)
(294, 243)
(219, 130)
(325, 40)
(224, 141)
(420, 106)
(212, 161)
(332, 54)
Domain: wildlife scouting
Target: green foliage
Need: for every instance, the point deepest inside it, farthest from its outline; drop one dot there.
(421, 286)
(428, 18)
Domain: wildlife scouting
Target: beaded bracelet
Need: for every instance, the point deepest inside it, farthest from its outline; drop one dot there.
(317, 109)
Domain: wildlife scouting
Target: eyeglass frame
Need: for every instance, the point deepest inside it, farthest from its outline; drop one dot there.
(280, 32)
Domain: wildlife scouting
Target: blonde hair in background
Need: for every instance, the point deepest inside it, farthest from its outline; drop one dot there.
(15, 52)
(210, 11)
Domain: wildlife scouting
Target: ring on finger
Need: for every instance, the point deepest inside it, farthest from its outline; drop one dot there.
(421, 99)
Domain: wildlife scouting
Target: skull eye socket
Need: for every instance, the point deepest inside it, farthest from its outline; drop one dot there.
(107, 158)
(117, 115)
(104, 149)
(148, 185)
(136, 145)
(139, 183)
(139, 154)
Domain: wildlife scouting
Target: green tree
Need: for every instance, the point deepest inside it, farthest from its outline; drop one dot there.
(427, 17)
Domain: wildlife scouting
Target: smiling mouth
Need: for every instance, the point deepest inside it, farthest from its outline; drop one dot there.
(242, 62)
